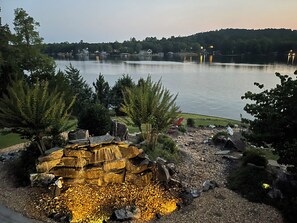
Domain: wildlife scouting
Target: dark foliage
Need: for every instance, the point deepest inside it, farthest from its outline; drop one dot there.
(255, 157)
(220, 137)
(275, 120)
(167, 143)
(102, 89)
(21, 167)
(248, 180)
(190, 122)
(79, 88)
(225, 41)
(117, 92)
(96, 119)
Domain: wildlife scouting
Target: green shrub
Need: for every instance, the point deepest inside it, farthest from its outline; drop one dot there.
(216, 138)
(182, 129)
(191, 122)
(167, 143)
(165, 154)
(21, 168)
(96, 119)
(254, 156)
(165, 147)
(248, 180)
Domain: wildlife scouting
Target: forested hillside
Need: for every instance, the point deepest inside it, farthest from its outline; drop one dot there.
(225, 42)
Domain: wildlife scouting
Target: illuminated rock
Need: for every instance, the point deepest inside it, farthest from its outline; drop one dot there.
(52, 154)
(106, 153)
(113, 177)
(139, 179)
(99, 182)
(115, 165)
(73, 162)
(103, 164)
(94, 173)
(73, 181)
(46, 166)
(41, 179)
(130, 152)
(132, 168)
(68, 172)
(77, 153)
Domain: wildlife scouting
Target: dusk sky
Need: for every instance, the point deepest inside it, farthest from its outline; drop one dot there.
(119, 20)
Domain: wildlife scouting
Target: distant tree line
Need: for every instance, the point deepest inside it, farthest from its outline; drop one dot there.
(225, 42)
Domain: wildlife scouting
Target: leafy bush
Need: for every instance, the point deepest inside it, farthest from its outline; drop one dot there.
(248, 180)
(274, 111)
(190, 122)
(165, 148)
(96, 119)
(182, 129)
(254, 156)
(21, 168)
(167, 143)
(217, 138)
(159, 152)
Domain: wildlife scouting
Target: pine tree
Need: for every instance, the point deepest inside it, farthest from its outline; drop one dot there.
(102, 90)
(79, 88)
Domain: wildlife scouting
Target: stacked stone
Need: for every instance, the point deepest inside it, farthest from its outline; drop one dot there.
(98, 164)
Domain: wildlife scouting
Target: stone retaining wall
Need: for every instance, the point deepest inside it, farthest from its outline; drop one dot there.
(98, 164)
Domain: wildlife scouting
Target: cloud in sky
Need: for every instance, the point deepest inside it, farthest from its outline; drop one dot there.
(108, 21)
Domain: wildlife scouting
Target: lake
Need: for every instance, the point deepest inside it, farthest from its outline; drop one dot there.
(213, 89)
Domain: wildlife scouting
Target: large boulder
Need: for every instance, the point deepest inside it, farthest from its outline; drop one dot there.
(119, 130)
(73, 162)
(68, 172)
(115, 165)
(141, 179)
(52, 154)
(107, 153)
(78, 134)
(80, 153)
(94, 173)
(41, 179)
(130, 152)
(114, 177)
(46, 166)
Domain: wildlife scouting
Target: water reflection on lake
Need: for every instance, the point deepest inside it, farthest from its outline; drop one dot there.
(210, 89)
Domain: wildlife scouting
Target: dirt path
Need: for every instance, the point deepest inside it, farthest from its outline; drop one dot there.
(218, 205)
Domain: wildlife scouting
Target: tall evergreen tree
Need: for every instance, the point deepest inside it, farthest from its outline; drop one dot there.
(117, 92)
(80, 89)
(102, 91)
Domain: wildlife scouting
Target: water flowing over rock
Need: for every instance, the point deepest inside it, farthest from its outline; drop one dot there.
(102, 161)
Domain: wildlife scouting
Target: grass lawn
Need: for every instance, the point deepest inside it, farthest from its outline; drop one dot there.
(203, 120)
(10, 139)
(200, 120)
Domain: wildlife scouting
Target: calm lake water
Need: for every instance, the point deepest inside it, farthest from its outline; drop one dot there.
(210, 89)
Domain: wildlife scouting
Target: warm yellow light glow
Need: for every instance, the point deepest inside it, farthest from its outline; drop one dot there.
(94, 204)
